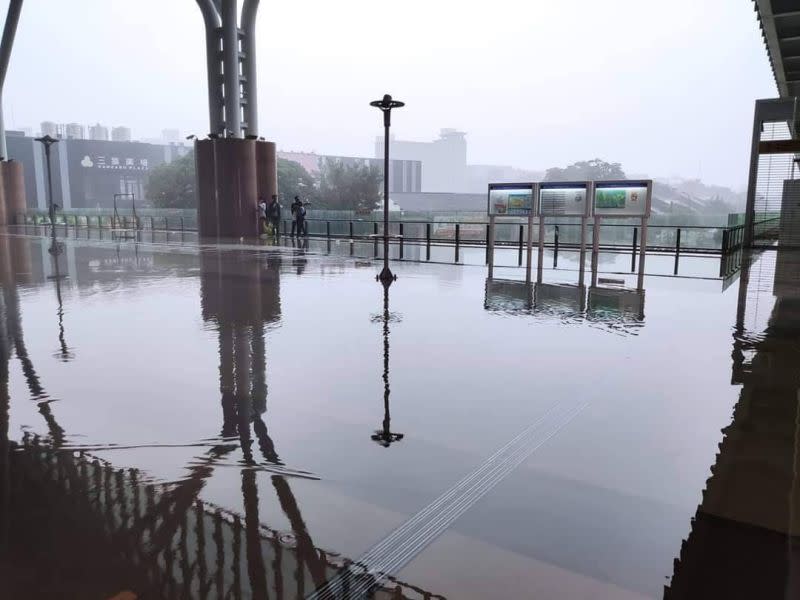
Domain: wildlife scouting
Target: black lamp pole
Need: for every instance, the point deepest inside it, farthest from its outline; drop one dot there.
(386, 105)
(48, 141)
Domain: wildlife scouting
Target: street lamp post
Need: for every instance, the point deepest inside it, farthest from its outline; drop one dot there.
(48, 141)
(386, 105)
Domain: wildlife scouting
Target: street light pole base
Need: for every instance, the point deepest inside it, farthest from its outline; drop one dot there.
(386, 276)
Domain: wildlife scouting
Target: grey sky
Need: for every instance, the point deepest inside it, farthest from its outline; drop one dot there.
(665, 88)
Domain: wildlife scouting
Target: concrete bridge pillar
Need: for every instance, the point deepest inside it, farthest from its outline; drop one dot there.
(233, 169)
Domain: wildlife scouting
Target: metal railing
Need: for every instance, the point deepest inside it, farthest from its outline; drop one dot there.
(614, 236)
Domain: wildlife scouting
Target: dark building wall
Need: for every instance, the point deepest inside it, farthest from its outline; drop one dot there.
(98, 169)
(87, 173)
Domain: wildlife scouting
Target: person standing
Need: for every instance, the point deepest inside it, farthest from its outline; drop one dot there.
(262, 216)
(274, 214)
(300, 213)
(294, 206)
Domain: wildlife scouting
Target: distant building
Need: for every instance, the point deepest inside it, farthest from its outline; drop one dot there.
(170, 136)
(74, 131)
(480, 176)
(50, 128)
(98, 132)
(404, 175)
(444, 160)
(120, 134)
(444, 164)
(87, 173)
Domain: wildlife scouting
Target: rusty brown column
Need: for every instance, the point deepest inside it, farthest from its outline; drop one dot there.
(5, 217)
(13, 190)
(267, 167)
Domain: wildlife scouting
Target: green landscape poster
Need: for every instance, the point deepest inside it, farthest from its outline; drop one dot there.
(610, 198)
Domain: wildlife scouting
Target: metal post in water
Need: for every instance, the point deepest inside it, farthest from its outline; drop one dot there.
(677, 251)
(633, 249)
(427, 241)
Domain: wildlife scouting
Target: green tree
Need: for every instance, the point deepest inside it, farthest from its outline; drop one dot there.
(596, 169)
(294, 180)
(349, 186)
(172, 185)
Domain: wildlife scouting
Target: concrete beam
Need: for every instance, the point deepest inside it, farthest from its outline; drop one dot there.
(764, 8)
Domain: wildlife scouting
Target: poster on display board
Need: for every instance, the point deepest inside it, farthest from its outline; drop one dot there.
(622, 198)
(511, 199)
(564, 198)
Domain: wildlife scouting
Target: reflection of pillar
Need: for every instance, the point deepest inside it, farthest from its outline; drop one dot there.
(5, 447)
(259, 392)
(252, 525)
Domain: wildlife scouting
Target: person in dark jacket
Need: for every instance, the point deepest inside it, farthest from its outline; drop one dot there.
(274, 213)
(295, 204)
(300, 214)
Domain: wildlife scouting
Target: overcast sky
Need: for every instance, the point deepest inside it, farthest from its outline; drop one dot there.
(665, 88)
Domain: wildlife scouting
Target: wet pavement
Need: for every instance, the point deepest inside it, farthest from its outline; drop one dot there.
(254, 421)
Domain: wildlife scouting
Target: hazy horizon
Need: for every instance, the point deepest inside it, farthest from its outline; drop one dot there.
(534, 84)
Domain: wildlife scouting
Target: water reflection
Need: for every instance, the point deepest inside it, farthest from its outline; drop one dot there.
(745, 537)
(161, 540)
(617, 309)
(384, 436)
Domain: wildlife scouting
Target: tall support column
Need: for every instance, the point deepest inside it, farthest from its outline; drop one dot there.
(230, 66)
(249, 10)
(212, 22)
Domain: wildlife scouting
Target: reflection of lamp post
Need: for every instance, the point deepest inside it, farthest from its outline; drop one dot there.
(386, 105)
(384, 436)
(64, 353)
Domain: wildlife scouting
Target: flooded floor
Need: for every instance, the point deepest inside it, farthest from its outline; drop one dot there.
(270, 422)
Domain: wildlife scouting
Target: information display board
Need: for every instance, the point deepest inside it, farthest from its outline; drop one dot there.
(622, 198)
(562, 198)
(511, 200)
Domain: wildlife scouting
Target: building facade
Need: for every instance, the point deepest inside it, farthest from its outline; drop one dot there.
(120, 134)
(98, 132)
(404, 175)
(87, 173)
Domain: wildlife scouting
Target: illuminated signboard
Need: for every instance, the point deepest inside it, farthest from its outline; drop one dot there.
(511, 200)
(563, 199)
(622, 198)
